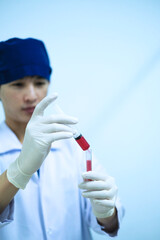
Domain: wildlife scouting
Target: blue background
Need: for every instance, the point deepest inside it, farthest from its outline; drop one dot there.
(106, 61)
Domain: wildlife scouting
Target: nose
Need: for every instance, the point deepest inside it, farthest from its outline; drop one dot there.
(30, 94)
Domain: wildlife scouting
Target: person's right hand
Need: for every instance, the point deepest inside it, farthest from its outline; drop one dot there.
(40, 132)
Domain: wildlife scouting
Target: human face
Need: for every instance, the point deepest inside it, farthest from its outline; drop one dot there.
(20, 97)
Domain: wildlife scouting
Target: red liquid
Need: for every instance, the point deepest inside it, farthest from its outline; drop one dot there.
(82, 142)
(89, 165)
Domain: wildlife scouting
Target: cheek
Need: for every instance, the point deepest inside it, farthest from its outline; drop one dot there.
(43, 93)
(11, 102)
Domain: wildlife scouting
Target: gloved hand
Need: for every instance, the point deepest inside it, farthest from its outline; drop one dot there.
(102, 192)
(40, 132)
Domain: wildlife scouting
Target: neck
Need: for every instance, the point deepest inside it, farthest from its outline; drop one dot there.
(18, 128)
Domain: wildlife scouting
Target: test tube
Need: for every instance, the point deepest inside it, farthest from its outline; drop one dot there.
(89, 159)
(82, 142)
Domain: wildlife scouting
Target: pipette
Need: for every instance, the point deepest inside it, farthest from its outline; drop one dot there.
(82, 142)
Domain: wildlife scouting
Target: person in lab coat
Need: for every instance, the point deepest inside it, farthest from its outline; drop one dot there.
(43, 194)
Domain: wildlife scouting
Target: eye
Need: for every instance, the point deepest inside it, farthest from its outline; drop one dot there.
(40, 83)
(17, 84)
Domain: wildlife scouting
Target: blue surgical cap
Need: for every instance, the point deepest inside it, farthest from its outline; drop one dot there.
(23, 57)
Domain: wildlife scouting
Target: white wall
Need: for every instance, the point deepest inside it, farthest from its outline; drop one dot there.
(106, 60)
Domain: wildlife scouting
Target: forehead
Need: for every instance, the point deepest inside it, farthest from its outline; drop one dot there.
(30, 78)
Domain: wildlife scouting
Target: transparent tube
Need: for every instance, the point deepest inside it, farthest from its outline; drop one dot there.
(89, 159)
(82, 142)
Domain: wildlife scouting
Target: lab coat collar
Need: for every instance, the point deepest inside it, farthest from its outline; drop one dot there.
(8, 140)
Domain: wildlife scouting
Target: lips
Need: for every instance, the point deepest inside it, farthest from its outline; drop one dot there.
(28, 109)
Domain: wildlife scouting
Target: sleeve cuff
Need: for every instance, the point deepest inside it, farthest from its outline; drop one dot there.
(100, 229)
(7, 215)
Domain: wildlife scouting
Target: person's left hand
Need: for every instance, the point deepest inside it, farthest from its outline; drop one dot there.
(102, 192)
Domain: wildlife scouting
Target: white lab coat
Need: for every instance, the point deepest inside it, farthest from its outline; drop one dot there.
(51, 206)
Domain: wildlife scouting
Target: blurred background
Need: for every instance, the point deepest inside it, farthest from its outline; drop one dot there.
(106, 69)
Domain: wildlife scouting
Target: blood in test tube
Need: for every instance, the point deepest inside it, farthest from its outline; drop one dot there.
(89, 165)
(78, 136)
(88, 161)
(86, 147)
(82, 142)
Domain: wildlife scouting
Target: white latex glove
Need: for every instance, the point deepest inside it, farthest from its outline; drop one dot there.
(102, 192)
(40, 132)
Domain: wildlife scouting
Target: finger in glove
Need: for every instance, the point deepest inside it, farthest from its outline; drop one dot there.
(39, 110)
(63, 119)
(104, 203)
(103, 194)
(94, 176)
(95, 185)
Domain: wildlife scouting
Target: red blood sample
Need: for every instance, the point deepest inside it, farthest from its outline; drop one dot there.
(88, 161)
(82, 142)
(89, 165)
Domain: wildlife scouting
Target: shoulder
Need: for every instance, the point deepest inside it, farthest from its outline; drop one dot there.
(8, 140)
